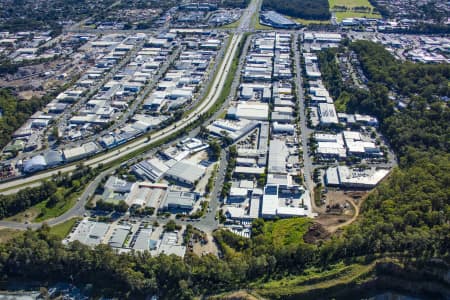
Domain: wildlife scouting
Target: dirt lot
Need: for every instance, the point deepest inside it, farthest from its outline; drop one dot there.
(348, 202)
(7, 234)
(210, 247)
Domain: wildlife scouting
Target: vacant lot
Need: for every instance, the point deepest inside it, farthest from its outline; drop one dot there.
(63, 229)
(353, 9)
(349, 3)
(287, 232)
(353, 14)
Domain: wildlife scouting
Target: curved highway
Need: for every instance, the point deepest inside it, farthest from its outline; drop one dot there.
(111, 156)
(78, 210)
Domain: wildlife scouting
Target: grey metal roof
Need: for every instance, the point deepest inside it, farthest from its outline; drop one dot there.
(182, 199)
(186, 171)
(142, 241)
(277, 156)
(119, 236)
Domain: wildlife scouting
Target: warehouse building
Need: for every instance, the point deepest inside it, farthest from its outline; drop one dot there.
(237, 195)
(35, 164)
(89, 233)
(360, 146)
(255, 91)
(186, 173)
(283, 128)
(274, 19)
(285, 201)
(232, 129)
(141, 239)
(119, 236)
(343, 176)
(179, 201)
(327, 114)
(80, 151)
(250, 111)
(278, 154)
(152, 170)
(170, 244)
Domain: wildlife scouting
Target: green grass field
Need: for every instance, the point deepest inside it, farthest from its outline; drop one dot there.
(63, 229)
(287, 232)
(308, 22)
(352, 14)
(350, 5)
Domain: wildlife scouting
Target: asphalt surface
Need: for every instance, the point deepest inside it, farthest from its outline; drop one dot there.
(208, 222)
(78, 210)
(139, 143)
(305, 131)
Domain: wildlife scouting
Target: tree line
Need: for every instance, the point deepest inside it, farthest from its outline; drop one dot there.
(67, 184)
(15, 113)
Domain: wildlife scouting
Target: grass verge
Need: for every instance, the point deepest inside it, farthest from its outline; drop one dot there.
(308, 22)
(233, 25)
(57, 210)
(318, 195)
(42, 211)
(63, 229)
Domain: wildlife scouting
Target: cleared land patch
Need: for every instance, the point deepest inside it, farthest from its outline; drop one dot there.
(353, 9)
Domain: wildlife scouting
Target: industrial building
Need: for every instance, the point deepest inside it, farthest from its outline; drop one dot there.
(186, 173)
(170, 244)
(276, 20)
(322, 37)
(234, 129)
(250, 111)
(278, 154)
(152, 169)
(285, 201)
(89, 233)
(179, 201)
(343, 176)
(44, 161)
(327, 114)
(141, 241)
(119, 236)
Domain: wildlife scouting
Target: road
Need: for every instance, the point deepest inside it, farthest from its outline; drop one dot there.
(11, 187)
(305, 132)
(208, 222)
(61, 122)
(204, 106)
(246, 24)
(142, 142)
